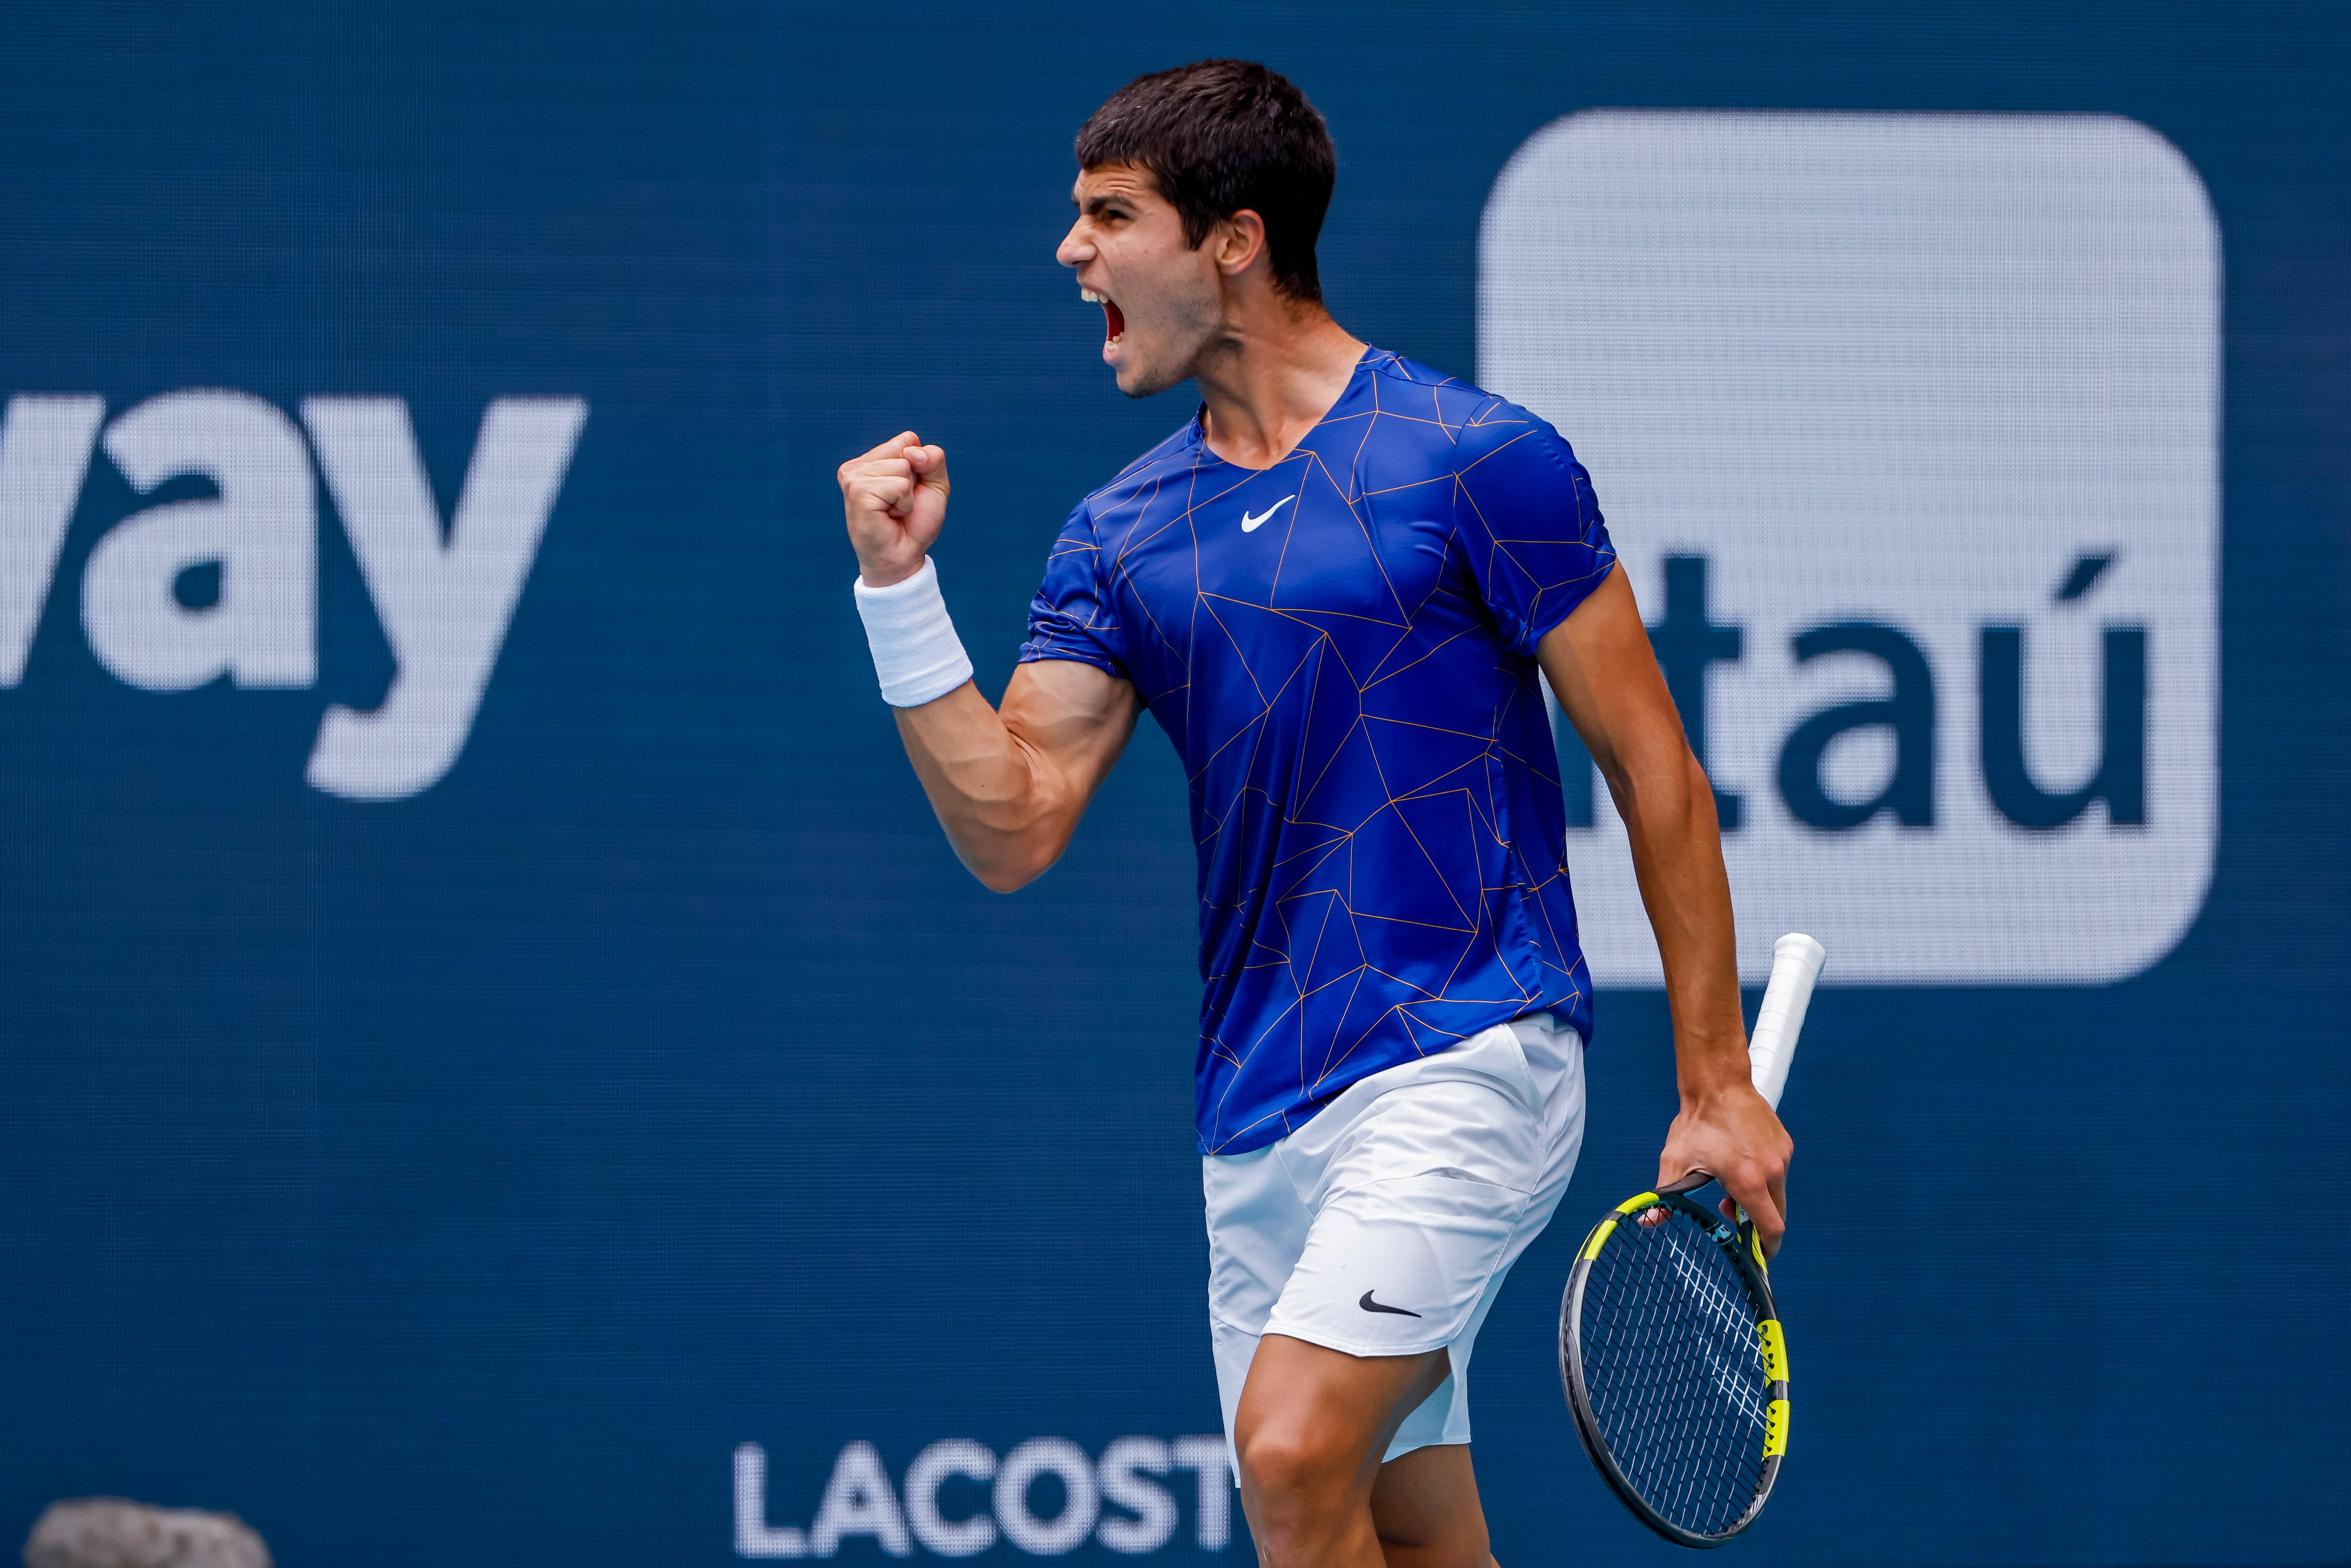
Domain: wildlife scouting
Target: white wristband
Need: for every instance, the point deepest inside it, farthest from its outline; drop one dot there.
(916, 650)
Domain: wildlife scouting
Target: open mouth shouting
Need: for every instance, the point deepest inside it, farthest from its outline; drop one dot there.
(1114, 321)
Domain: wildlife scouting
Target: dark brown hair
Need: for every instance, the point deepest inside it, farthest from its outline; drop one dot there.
(1219, 136)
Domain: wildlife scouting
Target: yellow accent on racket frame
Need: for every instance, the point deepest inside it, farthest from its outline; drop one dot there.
(1775, 1430)
(1775, 1350)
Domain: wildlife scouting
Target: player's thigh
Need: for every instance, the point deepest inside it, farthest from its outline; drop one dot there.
(1314, 1420)
(1425, 1510)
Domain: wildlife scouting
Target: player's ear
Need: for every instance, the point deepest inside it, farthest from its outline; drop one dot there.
(1241, 242)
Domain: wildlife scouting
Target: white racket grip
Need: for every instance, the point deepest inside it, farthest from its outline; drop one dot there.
(1796, 962)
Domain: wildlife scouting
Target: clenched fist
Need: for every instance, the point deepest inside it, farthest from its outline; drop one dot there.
(896, 497)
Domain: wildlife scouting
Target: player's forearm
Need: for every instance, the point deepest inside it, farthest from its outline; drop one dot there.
(1667, 806)
(1002, 802)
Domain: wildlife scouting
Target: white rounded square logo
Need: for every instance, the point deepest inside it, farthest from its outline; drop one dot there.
(1907, 427)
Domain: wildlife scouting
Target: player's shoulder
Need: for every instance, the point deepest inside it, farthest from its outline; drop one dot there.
(1141, 479)
(1465, 421)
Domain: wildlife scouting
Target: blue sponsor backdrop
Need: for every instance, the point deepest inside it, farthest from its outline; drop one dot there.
(463, 1177)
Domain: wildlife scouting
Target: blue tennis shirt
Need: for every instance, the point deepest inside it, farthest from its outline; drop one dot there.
(1341, 647)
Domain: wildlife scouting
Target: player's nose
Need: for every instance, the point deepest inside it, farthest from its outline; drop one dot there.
(1074, 251)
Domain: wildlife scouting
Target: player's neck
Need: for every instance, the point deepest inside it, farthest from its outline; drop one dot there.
(1277, 370)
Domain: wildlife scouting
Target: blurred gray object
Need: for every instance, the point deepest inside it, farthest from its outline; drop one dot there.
(113, 1533)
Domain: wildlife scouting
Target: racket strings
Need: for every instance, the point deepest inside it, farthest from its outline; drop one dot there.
(1675, 1371)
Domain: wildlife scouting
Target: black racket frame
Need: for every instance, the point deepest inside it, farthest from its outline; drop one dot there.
(1738, 1243)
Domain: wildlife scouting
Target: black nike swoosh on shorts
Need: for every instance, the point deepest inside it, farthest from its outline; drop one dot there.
(1370, 1305)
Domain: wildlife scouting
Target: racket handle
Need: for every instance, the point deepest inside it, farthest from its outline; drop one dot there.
(1796, 962)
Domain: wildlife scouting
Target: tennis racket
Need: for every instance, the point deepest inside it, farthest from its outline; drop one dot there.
(1669, 1343)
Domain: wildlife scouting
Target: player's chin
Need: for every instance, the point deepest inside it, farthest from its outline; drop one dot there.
(1140, 375)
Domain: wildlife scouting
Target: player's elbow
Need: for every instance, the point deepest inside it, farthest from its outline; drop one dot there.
(1006, 878)
(1009, 838)
(1007, 861)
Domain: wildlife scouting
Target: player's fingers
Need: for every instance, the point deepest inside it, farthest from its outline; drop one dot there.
(1749, 1181)
(868, 492)
(894, 448)
(882, 492)
(1765, 1213)
(931, 463)
(889, 474)
(1730, 1211)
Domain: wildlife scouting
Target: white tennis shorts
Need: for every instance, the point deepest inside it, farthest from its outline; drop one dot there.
(1385, 1224)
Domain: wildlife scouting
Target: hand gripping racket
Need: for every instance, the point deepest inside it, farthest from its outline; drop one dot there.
(1669, 1343)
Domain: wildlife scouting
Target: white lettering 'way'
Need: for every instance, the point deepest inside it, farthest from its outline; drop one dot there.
(443, 601)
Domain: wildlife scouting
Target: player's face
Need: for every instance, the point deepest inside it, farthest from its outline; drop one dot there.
(1162, 300)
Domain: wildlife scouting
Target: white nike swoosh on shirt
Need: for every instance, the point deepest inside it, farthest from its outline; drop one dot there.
(1250, 525)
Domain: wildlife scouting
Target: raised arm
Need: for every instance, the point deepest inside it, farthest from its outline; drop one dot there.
(1009, 784)
(1606, 677)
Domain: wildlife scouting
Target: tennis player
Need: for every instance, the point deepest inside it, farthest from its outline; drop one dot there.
(1333, 587)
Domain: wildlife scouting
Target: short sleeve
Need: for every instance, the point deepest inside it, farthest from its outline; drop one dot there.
(1072, 616)
(1537, 543)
